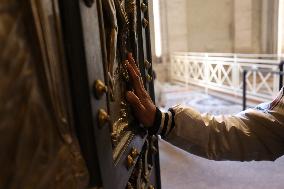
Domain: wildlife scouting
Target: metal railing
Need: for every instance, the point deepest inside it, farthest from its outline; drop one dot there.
(223, 72)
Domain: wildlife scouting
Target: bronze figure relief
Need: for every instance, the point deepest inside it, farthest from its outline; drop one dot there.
(120, 33)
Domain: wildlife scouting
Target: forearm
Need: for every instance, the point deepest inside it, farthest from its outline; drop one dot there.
(247, 136)
(256, 134)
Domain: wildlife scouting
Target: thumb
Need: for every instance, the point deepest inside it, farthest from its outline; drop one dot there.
(134, 102)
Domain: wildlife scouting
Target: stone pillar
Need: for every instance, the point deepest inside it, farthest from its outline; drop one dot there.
(210, 26)
(242, 25)
(254, 26)
(174, 33)
(269, 28)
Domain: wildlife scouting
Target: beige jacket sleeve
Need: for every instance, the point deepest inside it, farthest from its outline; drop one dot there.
(254, 134)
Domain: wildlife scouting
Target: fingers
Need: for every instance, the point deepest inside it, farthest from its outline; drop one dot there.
(132, 72)
(144, 112)
(134, 102)
(136, 77)
(137, 85)
(136, 69)
(132, 63)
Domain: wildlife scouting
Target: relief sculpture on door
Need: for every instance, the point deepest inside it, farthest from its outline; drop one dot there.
(120, 38)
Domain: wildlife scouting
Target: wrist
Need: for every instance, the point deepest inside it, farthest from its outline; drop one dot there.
(157, 122)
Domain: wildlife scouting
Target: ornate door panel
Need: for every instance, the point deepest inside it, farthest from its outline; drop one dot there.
(98, 36)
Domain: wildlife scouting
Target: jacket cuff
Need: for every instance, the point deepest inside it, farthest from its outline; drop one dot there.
(163, 123)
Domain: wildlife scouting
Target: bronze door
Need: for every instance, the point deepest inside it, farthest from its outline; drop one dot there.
(98, 34)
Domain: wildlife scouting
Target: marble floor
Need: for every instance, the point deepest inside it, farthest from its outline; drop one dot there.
(181, 170)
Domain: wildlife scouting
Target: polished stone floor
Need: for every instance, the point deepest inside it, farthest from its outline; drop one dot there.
(181, 170)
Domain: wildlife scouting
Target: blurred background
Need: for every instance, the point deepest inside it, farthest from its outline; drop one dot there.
(219, 57)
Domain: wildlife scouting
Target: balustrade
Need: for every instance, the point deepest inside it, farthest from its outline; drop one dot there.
(223, 72)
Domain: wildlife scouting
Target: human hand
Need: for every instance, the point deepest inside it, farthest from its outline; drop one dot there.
(143, 107)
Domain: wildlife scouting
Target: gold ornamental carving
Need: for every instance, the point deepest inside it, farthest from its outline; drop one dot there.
(99, 89)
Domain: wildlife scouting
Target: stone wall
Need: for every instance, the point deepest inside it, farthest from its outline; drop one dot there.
(174, 26)
(223, 26)
(210, 26)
